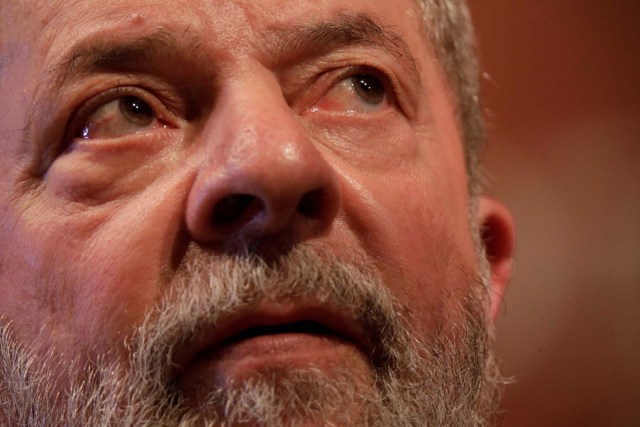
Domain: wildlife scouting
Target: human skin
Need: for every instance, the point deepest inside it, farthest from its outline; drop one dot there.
(94, 229)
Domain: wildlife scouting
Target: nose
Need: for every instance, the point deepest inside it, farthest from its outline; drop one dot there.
(261, 175)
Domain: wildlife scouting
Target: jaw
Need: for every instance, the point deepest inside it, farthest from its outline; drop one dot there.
(271, 339)
(286, 389)
(270, 357)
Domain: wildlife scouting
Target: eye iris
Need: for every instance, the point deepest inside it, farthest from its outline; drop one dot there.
(136, 110)
(369, 88)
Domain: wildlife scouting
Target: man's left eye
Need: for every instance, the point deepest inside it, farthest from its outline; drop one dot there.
(120, 117)
(359, 93)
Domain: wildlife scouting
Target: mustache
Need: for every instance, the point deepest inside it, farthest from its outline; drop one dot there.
(448, 380)
(207, 289)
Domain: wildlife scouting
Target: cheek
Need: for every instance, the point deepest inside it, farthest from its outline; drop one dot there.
(418, 238)
(96, 172)
(125, 270)
(89, 276)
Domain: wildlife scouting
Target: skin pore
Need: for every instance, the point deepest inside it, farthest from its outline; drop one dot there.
(227, 167)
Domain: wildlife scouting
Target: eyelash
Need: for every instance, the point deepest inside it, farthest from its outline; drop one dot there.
(163, 114)
(391, 85)
(86, 110)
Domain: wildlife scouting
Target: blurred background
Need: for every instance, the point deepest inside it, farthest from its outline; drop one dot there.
(562, 89)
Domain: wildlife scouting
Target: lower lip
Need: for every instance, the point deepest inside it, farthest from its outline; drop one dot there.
(292, 348)
(239, 360)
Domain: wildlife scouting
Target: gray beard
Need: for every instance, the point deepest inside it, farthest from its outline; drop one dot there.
(450, 380)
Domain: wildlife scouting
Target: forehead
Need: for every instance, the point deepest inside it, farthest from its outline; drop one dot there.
(53, 26)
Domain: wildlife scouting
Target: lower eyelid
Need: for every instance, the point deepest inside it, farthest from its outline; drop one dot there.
(112, 107)
(79, 119)
(343, 94)
(150, 143)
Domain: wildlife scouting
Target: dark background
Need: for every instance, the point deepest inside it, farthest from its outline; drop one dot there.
(562, 89)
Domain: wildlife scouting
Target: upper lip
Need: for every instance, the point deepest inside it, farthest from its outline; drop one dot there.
(265, 317)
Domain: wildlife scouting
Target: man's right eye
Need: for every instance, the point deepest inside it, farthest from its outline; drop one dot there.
(120, 117)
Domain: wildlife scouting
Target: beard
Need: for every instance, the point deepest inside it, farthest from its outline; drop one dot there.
(449, 379)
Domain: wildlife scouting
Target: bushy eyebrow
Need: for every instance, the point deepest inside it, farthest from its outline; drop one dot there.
(314, 39)
(100, 55)
(348, 30)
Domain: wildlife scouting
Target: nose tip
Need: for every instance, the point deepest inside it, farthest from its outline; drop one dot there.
(261, 174)
(265, 195)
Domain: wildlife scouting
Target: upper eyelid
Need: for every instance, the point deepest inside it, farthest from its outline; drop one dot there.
(402, 76)
(169, 110)
(329, 79)
(103, 98)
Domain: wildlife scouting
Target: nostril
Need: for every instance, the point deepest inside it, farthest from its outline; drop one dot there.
(236, 207)
(312, 203)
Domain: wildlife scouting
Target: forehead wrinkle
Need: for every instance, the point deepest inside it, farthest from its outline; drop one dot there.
(346, 30)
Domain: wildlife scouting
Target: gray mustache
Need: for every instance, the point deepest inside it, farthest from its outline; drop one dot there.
(207, 289)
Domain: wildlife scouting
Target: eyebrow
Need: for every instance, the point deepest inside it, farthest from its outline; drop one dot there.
(346, 31)
(99, 55)
(314, 39)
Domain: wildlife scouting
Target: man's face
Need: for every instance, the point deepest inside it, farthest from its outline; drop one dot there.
(149, 145)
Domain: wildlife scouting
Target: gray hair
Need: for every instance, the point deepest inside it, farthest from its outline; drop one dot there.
(449, 26)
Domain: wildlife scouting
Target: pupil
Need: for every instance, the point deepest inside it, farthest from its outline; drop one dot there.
(136, 110)
(369, 88)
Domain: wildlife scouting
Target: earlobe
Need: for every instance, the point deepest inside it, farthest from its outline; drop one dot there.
(497, 231)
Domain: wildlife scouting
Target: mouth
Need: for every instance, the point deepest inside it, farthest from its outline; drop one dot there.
(270, 337)
(307, 327)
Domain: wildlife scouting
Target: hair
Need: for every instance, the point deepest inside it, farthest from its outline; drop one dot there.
(449, 27)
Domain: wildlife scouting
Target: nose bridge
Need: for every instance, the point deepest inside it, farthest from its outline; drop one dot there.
(261, 173)
(266, 147)
(258, 126)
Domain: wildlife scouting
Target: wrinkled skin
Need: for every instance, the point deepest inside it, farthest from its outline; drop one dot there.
(94, 228)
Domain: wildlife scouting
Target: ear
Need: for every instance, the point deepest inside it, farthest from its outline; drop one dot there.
(497, 231)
